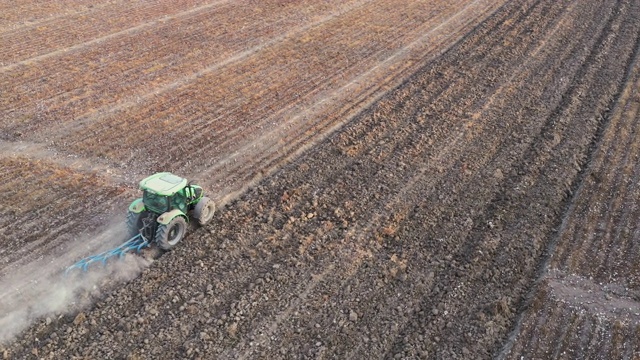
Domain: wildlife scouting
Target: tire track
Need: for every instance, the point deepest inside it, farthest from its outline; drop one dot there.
(122, 33)
(560, 254)
(112, 124)
(568, 226)
(294, 147)
(401, 196)
(569, 100)
(624, 205)
(42, 225)
(397, 234)
(169, 89)
(589, 229)
(32, 41)
(48, 93)
(13, 13)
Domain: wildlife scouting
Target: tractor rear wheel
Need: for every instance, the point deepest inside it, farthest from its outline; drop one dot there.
(134, 222)
(169, 235)
(204, 210)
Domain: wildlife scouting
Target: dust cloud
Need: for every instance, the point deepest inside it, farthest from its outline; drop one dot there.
(41, 291)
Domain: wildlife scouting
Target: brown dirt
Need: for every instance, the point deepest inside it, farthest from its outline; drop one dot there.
(589, 285)
(415, 180)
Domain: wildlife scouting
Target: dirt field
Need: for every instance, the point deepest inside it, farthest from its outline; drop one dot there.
(397, 179)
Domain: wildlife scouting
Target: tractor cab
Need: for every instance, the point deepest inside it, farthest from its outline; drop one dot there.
(162, 213)
(164, 192)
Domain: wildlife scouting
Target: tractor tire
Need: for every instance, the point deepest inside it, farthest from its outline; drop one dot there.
(204, 210)
(168, 236)
(134, 223)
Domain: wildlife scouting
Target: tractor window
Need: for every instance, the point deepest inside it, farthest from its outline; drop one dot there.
(154, 202)
(179, 201)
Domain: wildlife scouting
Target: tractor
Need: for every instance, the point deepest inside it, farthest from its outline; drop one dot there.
(161, 215)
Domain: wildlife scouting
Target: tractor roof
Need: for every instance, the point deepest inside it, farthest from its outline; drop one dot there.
(163, 183)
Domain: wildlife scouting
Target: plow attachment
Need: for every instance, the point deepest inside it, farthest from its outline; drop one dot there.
(136, 243)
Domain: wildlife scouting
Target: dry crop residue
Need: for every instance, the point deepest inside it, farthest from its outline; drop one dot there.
(417, 227)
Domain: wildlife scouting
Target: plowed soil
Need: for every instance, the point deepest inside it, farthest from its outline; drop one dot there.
(396, 179)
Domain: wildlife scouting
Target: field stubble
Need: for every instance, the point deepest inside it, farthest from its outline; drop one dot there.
(418, 228)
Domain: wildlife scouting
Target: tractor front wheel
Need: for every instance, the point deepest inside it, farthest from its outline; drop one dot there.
(204, 210)
(169, 235)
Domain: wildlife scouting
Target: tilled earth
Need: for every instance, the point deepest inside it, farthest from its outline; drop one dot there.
(434, 224)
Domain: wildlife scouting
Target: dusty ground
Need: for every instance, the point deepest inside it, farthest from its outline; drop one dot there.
(399, 180)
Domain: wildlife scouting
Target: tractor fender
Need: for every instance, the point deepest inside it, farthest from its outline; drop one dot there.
(166, 218)
(137, 206)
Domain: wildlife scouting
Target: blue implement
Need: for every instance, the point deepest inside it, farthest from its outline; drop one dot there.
(136, 243)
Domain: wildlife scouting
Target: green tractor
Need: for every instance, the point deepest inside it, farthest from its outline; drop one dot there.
(162, 213)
